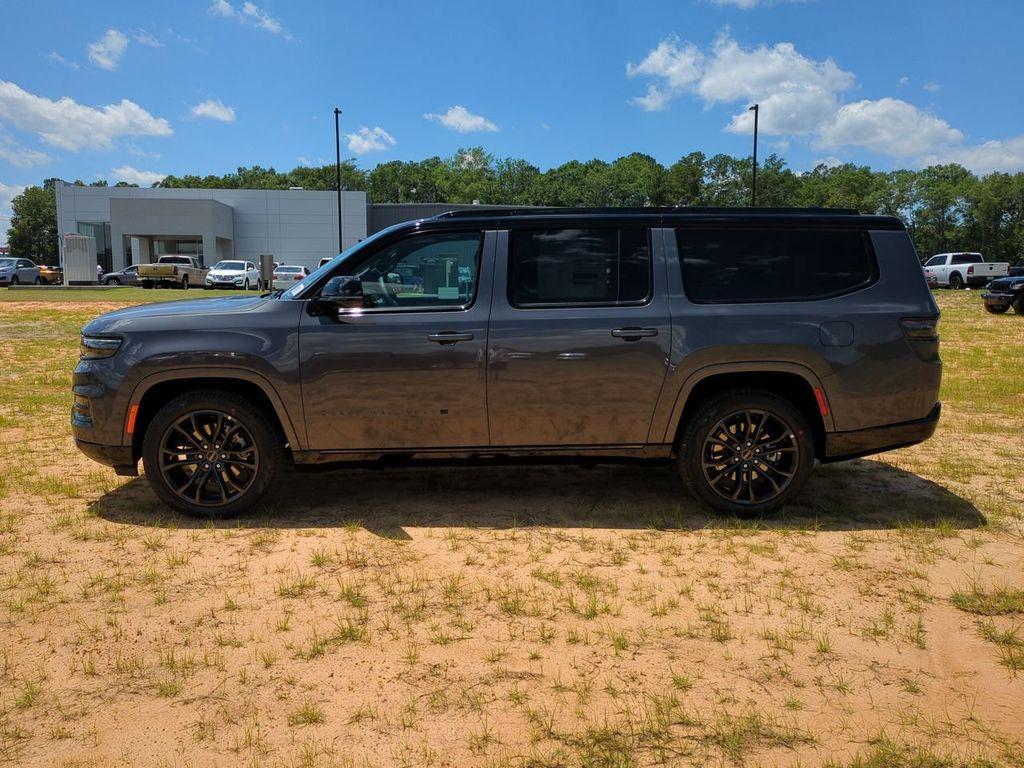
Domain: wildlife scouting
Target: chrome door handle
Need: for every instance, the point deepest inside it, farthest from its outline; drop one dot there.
(632, 334)
(450, 337)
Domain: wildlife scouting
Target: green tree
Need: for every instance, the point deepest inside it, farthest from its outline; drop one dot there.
(33, 229)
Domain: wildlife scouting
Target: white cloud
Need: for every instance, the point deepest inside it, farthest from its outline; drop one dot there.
(888, 126)
(369, 139)
(69, 125)
(1007, 156)
(796, 93)
(746, 5)
(932, 87)
(132, 175)
(249, 13)
(142, 37)
(58, 59)
(214, 109)
(677, 66)
(904, 80)
(106, 52)
(19, 156)
(460, 119)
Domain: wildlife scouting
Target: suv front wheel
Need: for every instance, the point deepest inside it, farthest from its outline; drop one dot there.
(746, 452)
(210, 453)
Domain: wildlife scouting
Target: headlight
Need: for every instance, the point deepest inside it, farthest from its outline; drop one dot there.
(94, 347)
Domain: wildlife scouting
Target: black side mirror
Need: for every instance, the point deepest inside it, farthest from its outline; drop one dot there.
(342, 293)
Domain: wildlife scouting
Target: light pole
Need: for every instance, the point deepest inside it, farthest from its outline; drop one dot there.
(337, 169)
(753, 186)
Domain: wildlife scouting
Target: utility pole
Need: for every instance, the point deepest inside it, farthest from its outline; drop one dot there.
(337, 169)
(753, 186)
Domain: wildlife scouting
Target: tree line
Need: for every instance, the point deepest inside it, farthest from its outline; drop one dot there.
(945, 207)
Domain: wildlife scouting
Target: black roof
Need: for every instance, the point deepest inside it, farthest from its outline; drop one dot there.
(652, 215)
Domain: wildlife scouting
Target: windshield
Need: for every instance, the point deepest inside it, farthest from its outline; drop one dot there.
(6, 263)
(297, 290)
(239, 265)
(175, 260)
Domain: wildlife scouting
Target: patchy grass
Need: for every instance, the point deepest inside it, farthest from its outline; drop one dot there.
(514, 616)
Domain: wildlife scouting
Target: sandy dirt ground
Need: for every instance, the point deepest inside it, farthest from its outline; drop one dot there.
(542, 616)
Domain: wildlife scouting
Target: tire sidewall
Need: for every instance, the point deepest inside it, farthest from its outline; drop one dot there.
(708, 415)
(267, 443)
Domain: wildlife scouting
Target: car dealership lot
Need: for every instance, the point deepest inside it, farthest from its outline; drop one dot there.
(508, 614)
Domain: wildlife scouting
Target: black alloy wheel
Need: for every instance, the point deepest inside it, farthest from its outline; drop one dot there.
(746, 452)
(208, 458)
(211, 453)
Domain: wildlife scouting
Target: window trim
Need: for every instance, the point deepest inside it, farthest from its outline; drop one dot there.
(583, 304)
(865, 236)
(405, 310)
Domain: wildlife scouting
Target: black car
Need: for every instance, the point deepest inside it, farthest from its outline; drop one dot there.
(1004, 293)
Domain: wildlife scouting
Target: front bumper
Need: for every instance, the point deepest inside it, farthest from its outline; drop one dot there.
(840, 446)
(999, 299)
(117, 456)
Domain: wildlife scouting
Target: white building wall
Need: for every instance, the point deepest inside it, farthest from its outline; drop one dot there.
(296, 226)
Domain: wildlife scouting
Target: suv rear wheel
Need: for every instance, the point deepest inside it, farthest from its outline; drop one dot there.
(210, 453)
(746, 452)
(955, 281)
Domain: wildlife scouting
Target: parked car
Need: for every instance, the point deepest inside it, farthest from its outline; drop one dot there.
(127, 276)
(930, 278)
(286, 275)
(233, 274)
(743, 344)
(15, 271)
(957, 270)
(1004, 293)
(172, 271)
(50, 274)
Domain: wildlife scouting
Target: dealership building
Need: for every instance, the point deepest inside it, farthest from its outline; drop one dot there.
(297, 226)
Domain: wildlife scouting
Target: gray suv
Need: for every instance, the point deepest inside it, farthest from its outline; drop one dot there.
(743, 344)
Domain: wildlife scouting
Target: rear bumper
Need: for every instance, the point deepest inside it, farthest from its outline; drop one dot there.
(840, 446)
(117, 456)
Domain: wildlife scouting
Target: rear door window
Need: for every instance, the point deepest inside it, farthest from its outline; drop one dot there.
(579, 267)
(966, 258)
(741, 265)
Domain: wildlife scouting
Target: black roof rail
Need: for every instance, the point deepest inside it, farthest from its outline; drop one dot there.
(488, 212)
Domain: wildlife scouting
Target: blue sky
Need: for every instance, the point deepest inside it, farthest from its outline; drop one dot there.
(132, 91)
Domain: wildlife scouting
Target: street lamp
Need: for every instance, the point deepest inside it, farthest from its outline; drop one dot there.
(337, 169)
(753, 187)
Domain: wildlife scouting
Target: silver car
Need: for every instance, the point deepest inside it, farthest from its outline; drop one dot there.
(126, 276)
(14, 271)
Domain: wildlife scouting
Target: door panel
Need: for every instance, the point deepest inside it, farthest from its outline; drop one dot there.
(575, 376)
(399, 379)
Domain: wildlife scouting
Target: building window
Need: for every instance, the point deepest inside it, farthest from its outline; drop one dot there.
(100, 232)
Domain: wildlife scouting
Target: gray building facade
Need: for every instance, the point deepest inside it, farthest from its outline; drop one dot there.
(135, 226)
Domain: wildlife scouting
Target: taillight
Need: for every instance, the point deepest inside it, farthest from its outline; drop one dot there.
(920, 328)
(175, 270)
(970, 270)
(297, 277)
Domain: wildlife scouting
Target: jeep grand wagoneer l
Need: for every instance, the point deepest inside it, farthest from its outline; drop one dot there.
(743, 344)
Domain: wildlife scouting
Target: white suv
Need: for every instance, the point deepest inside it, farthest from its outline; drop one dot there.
(233, 274)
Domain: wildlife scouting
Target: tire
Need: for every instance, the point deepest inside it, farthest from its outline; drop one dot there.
(184, 282)
(785, 470)
(146, 284)
(259, 446)
(15, 280)
(956, 282)
(113, 281)
(1018, 306)
(996, 310)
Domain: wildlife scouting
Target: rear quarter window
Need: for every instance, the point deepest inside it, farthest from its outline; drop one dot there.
(743, 265)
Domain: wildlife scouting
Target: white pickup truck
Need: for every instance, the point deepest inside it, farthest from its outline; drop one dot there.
(956, 270)
(173, 271)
